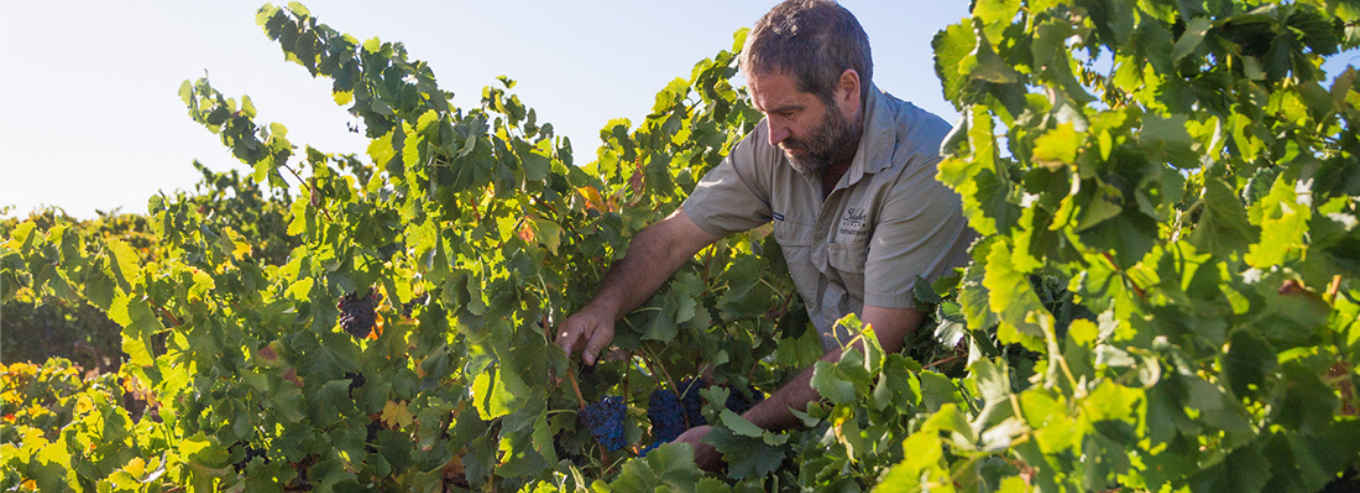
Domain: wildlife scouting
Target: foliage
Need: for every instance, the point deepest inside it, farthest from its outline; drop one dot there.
(1164, 299)
(1201, 204)
(61, 431)
(38, 327)
(475, 230)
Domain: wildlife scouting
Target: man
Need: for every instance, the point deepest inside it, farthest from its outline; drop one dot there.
(847, 175)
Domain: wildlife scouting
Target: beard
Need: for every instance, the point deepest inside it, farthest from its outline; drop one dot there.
(835, 141)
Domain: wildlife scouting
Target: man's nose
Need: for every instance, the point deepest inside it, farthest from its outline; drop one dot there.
(778, 133)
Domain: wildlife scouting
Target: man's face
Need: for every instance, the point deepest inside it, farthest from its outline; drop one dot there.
(813, 134)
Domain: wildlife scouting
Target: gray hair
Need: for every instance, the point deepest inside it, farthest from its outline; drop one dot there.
(814, 42)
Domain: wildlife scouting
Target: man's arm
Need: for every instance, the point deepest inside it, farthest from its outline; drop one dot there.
(655, 253)
(891, 325)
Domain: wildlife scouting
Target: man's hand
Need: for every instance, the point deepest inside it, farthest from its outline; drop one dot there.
(705, 455)
(653, 255)
(589, 331)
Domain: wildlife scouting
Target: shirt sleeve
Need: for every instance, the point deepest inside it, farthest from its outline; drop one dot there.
(922, 233)
(734, 195)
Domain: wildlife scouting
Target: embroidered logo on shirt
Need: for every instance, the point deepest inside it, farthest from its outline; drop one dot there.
(855, 222)
(778, 216)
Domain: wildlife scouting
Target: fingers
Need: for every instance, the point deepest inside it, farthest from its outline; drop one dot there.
(580, 330)
(568, 336)
(599, 338)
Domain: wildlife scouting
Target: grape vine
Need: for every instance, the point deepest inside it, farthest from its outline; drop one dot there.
(1164, 298)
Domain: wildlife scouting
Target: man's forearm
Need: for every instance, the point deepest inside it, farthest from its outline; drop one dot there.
(774, 414)
(891, 327)
(651, 259)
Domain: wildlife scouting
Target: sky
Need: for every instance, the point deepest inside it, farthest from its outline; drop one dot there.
(90, 117)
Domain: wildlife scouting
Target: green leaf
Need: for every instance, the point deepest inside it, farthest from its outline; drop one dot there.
(139, 324)
(897, 386)
(1249, 362)
(124, 260)
(1110, 401)
(1057, 148)
(1242, 470)
(981, 179)
(1194, 33)
(669, 467)
(953, 46)
(740, 425)
(989, 66)
(745, 456)
(937, 391)
(1284, 226)
(996, 15)
(829, 380)
(993, 382)
(1169, 139)
(950, 419)
(1223, 227)
(1012, 296)
(1106, 203)
(537, 161)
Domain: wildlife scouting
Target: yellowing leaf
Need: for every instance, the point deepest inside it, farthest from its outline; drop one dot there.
(84, 404)
(300, 290)
(136, 467)
(342, 97)
(1058, 147)
(593, 198)
(395, 415)
(548, 233)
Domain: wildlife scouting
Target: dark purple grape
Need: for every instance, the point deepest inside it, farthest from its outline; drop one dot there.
(692, 401)
(605, 421)
(357, 313)
(739, 402)
(666, 415)
(251, 453)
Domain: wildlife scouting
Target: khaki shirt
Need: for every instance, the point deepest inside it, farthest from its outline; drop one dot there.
(887, 221)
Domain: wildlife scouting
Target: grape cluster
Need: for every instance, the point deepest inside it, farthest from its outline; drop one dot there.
(357, 313)
(666, 415)
(739, 402)
(605, 421)
(356, 380)
(251, 453)
(692, 401)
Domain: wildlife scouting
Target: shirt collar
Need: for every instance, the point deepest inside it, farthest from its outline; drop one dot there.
(877, 142)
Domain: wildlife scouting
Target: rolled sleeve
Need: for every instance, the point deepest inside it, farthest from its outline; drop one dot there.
(922, 233)
(733, 196)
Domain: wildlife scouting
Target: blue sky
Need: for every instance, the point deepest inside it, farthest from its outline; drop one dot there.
(90, 117)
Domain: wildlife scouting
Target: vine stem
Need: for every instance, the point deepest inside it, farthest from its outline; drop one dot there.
(571, 377)
(1333, 288)
(941, 361)
(581, 401)
(1142, 294)
(311, 190)
(174, 320)
(657, 361)
(708, 262)
(653, 369)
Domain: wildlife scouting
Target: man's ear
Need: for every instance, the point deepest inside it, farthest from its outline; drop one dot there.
(847, 90)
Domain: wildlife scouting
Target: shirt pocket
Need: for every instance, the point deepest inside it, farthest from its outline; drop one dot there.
(792, 233)
(848, 257)
(847, 262)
